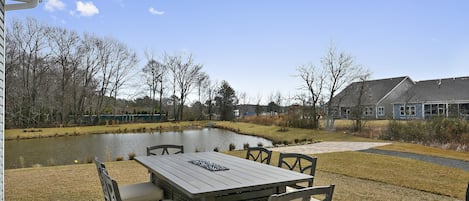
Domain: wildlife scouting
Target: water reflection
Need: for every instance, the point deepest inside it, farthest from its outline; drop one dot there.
(64, 150)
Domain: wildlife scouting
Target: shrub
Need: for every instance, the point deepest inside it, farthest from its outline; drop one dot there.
(259, 144)
(119, 158)
(275, 142)
(131, 155)
(216, 149)
(434, 131)
(232, 147)
(245, 146)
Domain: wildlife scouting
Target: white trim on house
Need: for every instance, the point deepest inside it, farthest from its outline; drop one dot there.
(26, 4)
(385, 96)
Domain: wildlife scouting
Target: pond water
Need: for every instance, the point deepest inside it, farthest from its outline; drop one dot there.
(65, 150)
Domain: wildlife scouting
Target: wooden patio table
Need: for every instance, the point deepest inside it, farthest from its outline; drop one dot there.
(241, 179)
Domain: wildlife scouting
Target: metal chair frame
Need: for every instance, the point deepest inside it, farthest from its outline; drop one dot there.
(305, 193)
(111, 188)
(299, 162)
(165, 149)
(259, 154)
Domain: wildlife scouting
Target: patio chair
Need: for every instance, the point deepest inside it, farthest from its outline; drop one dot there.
(305, 164)
(102, 168)
(133, 192)
(259, 154)
(165, 149)
(467, 192)
(305, 194)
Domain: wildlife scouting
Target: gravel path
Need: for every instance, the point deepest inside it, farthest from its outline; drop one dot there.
(431, 159)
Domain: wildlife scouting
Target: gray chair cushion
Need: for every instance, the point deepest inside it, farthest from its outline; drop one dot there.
(141, 192)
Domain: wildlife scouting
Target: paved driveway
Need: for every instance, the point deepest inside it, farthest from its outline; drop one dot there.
(327, 147)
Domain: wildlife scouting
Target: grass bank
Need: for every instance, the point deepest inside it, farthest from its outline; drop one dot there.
(13, 134)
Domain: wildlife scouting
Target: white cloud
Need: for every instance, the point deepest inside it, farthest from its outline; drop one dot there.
(155, 12)
(53, 5)
(87, 8)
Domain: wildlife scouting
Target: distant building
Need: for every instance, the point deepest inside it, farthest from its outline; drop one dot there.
(246, 110)
(434, 98)
(402, 98)
(375, 97)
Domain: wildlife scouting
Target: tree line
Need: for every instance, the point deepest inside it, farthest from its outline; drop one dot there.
(55, 76)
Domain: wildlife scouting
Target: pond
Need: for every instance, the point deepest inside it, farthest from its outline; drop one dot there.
(65, 150)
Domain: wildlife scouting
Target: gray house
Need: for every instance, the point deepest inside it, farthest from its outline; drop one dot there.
(433, 98)
(375, 98)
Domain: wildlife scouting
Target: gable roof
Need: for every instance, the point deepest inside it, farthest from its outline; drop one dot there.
(438, 90)
(373, 91)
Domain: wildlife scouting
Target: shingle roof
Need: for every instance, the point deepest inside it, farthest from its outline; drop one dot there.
(446, 90)
(374, 90)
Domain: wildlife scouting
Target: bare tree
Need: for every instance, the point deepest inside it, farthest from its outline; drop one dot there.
(154, 72)
(64, 46)
(211, 94)
(258, 104)
(358, 111)
(202, 85)
(26, 70)
(185, 74)
(341, 70)
(125, 60)
(89, 69)
(313, 83)
(115, 61)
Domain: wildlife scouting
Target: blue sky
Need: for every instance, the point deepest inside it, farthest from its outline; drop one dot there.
(257, 45)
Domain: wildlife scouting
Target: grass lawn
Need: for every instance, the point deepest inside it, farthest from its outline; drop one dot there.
(369, 179)
(358, 176)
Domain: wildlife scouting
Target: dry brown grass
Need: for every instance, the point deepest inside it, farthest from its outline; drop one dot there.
(80, 182)
(11, 134)
(377, 177)
(72, 182)
(358, 176)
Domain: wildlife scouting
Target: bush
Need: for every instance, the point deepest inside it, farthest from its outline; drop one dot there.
(438, 130)
(131, 155)
(232, 147)
(245, 146)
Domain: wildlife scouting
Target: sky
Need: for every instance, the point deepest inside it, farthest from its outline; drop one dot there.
(257, 46)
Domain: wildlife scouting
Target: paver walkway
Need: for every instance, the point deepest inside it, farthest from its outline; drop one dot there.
(327, 147)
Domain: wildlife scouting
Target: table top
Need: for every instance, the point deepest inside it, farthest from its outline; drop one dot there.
(195, 181)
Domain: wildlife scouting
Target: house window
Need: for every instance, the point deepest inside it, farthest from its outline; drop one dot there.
(408, 110)
(381, 111)
(402, 111)
(368, 111)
